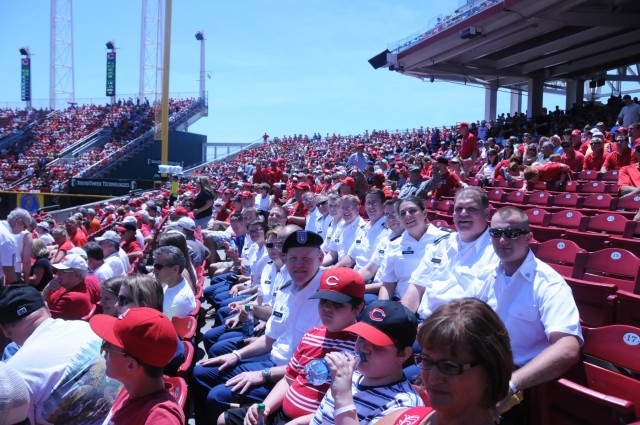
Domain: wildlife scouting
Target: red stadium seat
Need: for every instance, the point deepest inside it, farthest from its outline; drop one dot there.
(628, 203)
(593, 187)
(610, 176)
(518, 197)
(627, 308)
(567, 200)
(439, 223)
(595, 301)
(557, 225)
(495, 195)
(185, 368)
(445, 206)
(186, 327)
(542, 198)
(177, 387)
(591, 393)
(559, 254)
(587, 175)
(613, 266)
(599, 201)
(593, 232)
(571, 186)
(536, 216)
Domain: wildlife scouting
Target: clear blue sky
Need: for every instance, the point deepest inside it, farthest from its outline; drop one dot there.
(280, 66)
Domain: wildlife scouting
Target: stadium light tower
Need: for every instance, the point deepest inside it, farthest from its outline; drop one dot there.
(61, 74)
(200, 38)
(26, 75)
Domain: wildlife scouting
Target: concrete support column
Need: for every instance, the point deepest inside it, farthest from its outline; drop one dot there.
(516, 101)
(534, 102)
(490, 103)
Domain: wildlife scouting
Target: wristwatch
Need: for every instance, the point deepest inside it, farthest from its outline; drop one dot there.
(266, 374)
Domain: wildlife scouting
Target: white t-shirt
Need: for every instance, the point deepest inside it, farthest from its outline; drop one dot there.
(7, 246)
(65, 373)
(179, 300)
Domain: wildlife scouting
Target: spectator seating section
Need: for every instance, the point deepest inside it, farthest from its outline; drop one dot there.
(593, 232)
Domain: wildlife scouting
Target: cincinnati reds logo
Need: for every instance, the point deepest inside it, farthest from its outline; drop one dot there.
(332, 281)
(408, 419)
(377, 315)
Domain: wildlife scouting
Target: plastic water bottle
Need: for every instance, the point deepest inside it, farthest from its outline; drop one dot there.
(318, 371)
(247, 325)
(261, 418)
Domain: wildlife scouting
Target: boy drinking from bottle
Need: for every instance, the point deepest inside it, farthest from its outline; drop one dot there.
(377, 386)
(293, 399)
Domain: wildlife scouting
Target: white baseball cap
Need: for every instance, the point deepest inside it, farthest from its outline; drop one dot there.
(187, 223)
(72, 261)
(109, 235)
(44, 225)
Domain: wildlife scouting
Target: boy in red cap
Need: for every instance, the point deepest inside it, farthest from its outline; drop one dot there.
(341, 296)
(377, 386)
(137, 346)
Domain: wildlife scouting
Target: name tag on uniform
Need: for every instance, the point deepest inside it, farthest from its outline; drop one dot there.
(358, 241)
(436, 260)
(407, 252)
(278, 314)
(381, 251)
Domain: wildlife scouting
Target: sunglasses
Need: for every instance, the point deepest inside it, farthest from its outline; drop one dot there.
(108, 347)
(270, 245)
(448, 367)
(161, 266)
(595, 143)
(508, 233)
(322, 204)
(124, 300)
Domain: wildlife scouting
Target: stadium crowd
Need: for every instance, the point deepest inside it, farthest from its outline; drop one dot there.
(313, 248)
(34, 163)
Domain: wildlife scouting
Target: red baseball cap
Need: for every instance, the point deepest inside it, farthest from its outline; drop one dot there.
(303, 186)
(576, 132)
(386, 322)
(247, 194)
(462, 124)
(181, 211)
(340, 285)
(349, 181)
(145, 333)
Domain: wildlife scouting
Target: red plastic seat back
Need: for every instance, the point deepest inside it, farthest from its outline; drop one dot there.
(616, 344)
(185, 326)
(536, 215)
(569, 219)
(516, 197)
(627, 308)
(542, 198)
(567, 200)
(607, 223)
(610, 265)
(629, 203)
(558, 251)
(495, 195)
(600, 201)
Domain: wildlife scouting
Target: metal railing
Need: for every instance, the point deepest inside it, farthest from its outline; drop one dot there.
(440, 23)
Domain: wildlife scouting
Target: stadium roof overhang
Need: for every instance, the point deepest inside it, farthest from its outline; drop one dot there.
(516, 41)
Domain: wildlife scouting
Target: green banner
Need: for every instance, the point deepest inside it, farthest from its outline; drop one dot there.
(111, 74)
(25, 80)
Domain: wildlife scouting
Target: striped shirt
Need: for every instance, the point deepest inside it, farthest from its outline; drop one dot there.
(303, 398)
(372, 403)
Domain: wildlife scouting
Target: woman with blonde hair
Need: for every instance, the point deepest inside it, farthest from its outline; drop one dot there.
(203, 202)
(41, 272)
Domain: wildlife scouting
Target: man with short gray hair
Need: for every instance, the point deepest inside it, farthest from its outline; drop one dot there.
(15, 223)
(67, 295)
(168, 264)
(110, 244)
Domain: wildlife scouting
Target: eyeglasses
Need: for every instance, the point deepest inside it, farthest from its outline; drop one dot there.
(448, 367)
(124, 300)
(108, 347)
(158, 266)
(391, 215)
(271, 245)
(410, 211)
(595, 143)
(322, 204)
(508, 233)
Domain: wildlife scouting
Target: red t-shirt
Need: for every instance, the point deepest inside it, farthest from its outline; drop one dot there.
(303, 398)
(448, 182)
(131, 247)
(154, 409)
(592, 163)
(93, 288)
(576, 163)
(629, 176)
(615, 161)
(72, 304)
(79, 239)
(469, 144)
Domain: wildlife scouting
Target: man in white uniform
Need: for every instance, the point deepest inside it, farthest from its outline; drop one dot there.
(168, 264)
(534, 302)
(293, 315)
(449, 269)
